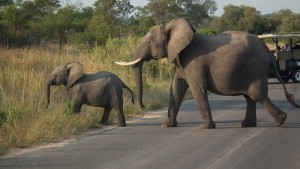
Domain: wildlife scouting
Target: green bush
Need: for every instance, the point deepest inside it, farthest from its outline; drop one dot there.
(206, 31)
(15, 113)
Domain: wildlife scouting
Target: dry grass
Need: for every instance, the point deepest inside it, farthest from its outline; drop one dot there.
(24, 120)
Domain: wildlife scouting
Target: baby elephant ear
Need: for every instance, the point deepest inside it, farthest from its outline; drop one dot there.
(180, 33)
(75, 72)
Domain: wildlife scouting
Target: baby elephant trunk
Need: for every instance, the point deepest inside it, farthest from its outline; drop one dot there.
(48, 84)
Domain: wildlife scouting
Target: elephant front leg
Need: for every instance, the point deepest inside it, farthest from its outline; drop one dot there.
(74, 106)
(250, 118)
(177, 91)
(200, 95)
(105, 116)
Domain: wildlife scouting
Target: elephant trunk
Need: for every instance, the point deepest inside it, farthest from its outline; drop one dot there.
(48, 84)
(137, 70)
(142, 53)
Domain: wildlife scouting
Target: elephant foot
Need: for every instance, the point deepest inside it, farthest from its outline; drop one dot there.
(168, 123)
(281, 119)
(104, 122)
(249, 123)
(210, 125)
(123, 124)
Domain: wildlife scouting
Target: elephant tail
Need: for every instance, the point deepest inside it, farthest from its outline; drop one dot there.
(132, 99)
(289, 96)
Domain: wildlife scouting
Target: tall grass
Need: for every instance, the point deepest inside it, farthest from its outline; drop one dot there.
(23, 118)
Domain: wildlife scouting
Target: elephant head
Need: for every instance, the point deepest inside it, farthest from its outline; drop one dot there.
(160, 42)
(65, 75)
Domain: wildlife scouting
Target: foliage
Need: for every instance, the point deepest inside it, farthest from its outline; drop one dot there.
(162, 11)
(287, 21)
(243, 18)
(46, 22)
(291, 24)
(5, 2)
(206, 31)
(140, 25)
(14, 22)
(15, 113)
(109, 18)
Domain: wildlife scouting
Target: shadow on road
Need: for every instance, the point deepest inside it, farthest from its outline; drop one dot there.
(291, 125)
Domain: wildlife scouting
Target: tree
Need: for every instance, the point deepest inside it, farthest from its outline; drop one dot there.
(291, 23)
(281, 14)
(286, 20)
(140, 25)
(243, 18)
(80, 25)
(109, 18)
(46, 6)
(198, 11)
(162, 11)
(41, 25)
(63, 22)
(3, 3)
(15, 22)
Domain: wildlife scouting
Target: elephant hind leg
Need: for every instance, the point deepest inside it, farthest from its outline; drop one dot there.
(250, 118)
(278, 115)
(105, 116)
(121, 118)
(120, 113)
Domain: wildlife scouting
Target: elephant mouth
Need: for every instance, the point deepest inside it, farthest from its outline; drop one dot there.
(52, 83)
(158, 57)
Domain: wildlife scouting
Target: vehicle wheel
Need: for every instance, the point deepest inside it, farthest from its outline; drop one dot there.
(296, 76)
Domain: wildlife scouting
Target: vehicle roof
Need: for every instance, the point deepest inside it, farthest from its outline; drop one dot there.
(278, 36)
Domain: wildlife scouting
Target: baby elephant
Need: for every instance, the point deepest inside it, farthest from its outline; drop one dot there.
(101, 89)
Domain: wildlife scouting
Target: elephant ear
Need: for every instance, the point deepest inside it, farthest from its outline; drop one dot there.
(180, 33)
(75, 72)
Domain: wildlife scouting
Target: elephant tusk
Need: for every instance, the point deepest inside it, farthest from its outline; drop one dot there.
(128, 63)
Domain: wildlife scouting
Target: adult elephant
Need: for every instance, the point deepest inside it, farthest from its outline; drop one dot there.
(230, 63)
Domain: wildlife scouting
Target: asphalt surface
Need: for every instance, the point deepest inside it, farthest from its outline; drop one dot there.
(144, 144)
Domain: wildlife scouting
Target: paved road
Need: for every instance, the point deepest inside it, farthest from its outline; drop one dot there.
(144, 144)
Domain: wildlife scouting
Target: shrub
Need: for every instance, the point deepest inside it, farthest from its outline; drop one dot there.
(206, 31)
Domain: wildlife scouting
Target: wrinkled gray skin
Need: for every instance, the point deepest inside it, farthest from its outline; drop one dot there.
(229, 64)
(102, 89)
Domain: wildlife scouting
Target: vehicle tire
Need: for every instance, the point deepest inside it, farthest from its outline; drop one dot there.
(296, 76)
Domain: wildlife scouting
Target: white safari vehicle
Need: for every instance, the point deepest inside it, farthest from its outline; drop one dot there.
(287, 56)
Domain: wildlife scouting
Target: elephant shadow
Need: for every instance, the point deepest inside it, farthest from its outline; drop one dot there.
(260, 123)
(291, 125)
